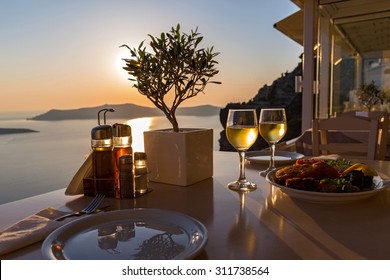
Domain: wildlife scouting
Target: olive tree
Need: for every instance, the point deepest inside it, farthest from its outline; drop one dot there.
(176, 64)
(369, 95)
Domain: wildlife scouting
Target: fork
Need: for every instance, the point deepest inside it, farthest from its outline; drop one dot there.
(90, 208)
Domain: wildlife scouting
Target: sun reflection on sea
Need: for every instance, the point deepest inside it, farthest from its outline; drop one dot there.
(138, 126)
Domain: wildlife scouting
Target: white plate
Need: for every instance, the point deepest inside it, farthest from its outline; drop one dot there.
(127, 235)
(281, 157)
(320, 197)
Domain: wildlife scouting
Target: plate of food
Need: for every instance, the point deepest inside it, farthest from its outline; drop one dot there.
(133, 234)
(281, 157)
(322, 181)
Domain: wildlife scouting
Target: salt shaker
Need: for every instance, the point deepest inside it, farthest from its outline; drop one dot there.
(140, 173)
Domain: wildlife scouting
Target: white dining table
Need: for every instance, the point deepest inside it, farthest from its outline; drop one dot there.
(263, 224)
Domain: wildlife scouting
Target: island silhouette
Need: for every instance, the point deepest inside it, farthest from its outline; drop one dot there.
(125, 111)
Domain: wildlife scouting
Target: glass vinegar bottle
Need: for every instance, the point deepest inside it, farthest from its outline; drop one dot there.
(122, 140)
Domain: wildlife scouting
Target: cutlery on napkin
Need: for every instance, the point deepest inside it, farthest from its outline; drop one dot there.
(30, 230)
(33, 228)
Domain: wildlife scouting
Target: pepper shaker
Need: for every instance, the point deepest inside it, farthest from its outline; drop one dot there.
(126, 177)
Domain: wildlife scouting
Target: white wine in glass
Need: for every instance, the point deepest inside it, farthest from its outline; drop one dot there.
(242, 132)
(272, 127)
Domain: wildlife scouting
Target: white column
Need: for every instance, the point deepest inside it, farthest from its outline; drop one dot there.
(309, 11)
(325, 63)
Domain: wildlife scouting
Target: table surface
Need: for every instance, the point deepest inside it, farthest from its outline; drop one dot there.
(265, 224)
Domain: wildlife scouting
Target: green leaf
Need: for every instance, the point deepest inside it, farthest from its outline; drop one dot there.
(174, 64)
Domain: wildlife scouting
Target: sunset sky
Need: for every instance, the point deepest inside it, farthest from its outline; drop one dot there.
(65, 54)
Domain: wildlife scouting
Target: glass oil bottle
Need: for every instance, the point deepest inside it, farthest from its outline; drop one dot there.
(102, 159)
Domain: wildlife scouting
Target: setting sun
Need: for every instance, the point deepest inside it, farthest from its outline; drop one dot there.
(119, 63)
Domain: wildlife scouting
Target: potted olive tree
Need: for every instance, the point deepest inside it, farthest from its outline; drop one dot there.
(369, 95)
(173, 69)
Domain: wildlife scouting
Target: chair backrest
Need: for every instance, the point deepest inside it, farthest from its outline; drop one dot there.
(384, 118)
(374, 129)
(365, 114)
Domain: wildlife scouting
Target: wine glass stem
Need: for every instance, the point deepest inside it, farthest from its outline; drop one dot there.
(272, 160)
(242, 166)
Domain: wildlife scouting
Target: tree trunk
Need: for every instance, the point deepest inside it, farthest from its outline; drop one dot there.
(174, 123)
(172, 119)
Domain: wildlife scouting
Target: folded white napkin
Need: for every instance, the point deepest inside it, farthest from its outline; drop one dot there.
(76, 184)
(329, 157)
(32, 229)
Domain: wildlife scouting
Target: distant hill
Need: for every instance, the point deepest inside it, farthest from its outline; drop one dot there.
(125, 111)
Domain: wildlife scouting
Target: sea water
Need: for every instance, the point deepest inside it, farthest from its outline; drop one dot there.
(36, 163)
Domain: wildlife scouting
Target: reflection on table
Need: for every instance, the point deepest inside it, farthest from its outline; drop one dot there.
(263, 224)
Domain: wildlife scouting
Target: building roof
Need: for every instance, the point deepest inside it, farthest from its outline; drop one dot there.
(292, 26)
(365, 24)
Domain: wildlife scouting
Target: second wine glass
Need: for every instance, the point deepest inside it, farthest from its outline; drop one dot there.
(241, 132)
(272, 127)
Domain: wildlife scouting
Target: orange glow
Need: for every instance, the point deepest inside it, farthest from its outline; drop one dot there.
(79, 64)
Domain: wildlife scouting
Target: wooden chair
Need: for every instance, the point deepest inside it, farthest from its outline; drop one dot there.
(345, 126)
(384, 118)
(364, 114)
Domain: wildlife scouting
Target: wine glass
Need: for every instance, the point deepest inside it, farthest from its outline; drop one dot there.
(272, 127)
(241, 132)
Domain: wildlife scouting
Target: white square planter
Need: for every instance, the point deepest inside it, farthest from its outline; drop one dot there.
(179, 158)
